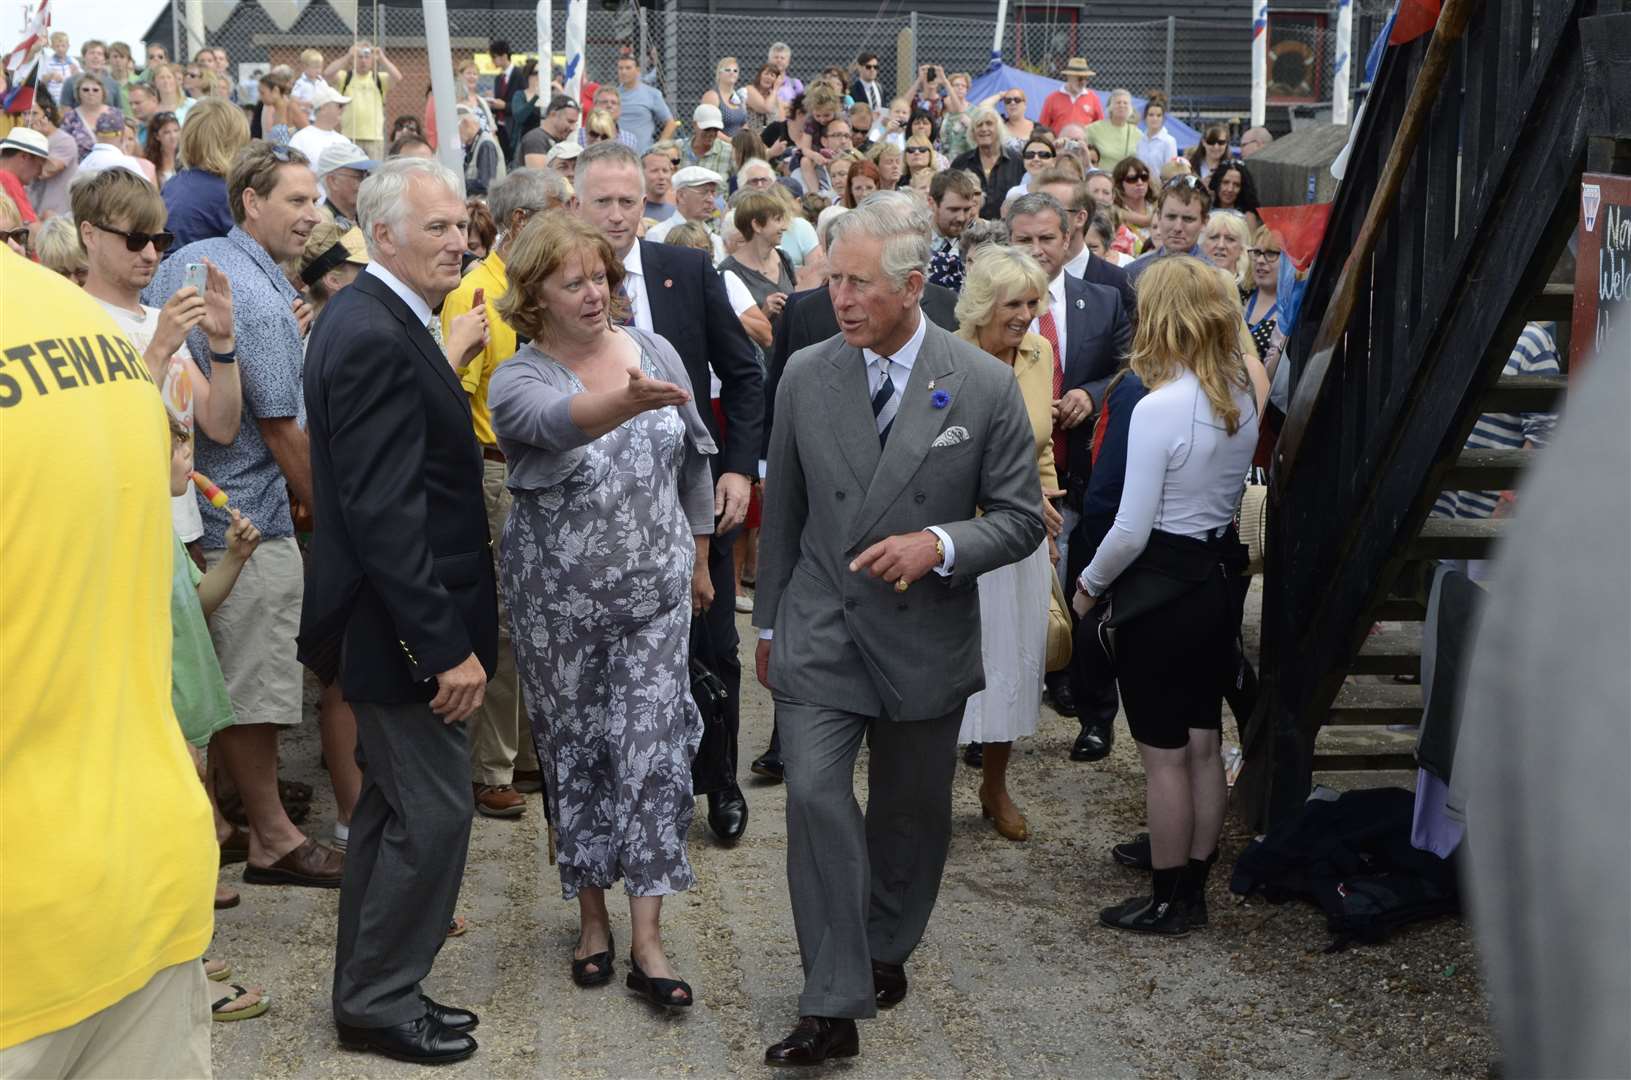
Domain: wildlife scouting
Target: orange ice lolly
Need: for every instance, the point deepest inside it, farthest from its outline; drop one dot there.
(215, 495)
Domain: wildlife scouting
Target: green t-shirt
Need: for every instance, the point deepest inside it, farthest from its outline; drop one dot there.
(197, 688)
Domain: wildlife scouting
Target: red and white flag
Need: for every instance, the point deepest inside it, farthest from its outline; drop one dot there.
(34, 39)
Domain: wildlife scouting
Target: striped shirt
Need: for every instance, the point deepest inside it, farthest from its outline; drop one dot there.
(1534, 354)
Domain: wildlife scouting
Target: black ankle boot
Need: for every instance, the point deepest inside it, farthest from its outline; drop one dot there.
(1192, 895)
(1162, 912)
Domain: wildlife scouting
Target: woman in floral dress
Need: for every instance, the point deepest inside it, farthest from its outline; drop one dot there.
(603, 560)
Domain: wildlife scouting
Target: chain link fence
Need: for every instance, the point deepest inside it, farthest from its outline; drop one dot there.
(1203, 65)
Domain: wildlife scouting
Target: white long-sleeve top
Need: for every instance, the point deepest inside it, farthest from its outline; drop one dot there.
(1185, 474)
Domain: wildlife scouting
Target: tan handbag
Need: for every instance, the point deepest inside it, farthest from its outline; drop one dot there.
(1058, 655)
(1254, 525)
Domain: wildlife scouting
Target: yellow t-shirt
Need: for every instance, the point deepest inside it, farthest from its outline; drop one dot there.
(489, 276)
(364, 118)
(108, 865)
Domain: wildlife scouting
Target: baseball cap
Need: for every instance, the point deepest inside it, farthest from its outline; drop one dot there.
(708, 116)
(344, 154)
(565, 149)
(107, 156)
(696, 176)
(559, 102)
(327, 95)
(28, 141)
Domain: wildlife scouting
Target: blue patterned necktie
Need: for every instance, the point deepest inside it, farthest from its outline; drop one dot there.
(623, 294)
(882, 414)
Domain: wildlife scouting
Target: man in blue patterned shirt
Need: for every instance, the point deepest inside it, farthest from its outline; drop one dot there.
(273, 195)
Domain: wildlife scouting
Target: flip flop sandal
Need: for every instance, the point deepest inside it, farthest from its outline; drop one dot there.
(230, 900)
(249, 1012)
(220, 974)
(457, 927)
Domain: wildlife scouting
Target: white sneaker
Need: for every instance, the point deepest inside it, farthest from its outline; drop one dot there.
(744, 604)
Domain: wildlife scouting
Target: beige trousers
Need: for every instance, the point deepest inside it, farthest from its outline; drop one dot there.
(161, 1031)
(500, 739)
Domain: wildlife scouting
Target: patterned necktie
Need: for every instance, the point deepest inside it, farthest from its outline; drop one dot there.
(623, 294)
(883, 409)
(1050, 332)
(435, 328)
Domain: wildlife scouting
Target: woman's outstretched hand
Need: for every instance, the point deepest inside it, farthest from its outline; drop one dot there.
(645, 394)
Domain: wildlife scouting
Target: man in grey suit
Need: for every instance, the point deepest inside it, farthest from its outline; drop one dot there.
(891, 439)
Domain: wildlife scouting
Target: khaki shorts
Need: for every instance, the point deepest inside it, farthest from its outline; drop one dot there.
(160, 1031)
(254, 633)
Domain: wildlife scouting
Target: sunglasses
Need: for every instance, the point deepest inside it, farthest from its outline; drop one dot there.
(1137, 178)
(160, 119)
(675, 161)
(137, 241)
(869, 67)
(1266, 254)
(918, 149)
(1038, 155)
(1217, 142)
(1013, 101)
(18, 236)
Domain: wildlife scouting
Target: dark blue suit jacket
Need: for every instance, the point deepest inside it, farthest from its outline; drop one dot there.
(689, 308)
(1104, 272)
(1098, 336)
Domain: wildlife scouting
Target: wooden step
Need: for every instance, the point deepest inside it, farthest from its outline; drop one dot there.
(1525, 393)
(1486, 470)
(1390, 652)
(1554, 303)
(1367, 704)
(1364, 762)
(1456, 538)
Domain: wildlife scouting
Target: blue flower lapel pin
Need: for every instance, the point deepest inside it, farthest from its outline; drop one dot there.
(938, 398)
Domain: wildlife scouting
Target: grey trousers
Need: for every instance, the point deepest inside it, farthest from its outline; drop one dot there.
(410, 834)
(862, 887)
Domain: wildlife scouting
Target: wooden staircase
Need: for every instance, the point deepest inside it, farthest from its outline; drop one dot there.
(1461, 193)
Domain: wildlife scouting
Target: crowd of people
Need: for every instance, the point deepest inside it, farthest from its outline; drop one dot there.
(499, 455)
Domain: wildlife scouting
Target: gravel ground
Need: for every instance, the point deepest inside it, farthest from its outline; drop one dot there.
(1015, 977)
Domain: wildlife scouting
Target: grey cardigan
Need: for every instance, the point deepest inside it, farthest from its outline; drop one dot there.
(530, 401)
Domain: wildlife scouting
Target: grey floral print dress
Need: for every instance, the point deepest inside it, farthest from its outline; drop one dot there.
(595, 565)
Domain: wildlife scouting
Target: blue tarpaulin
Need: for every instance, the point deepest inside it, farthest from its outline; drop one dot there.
(1038, 87)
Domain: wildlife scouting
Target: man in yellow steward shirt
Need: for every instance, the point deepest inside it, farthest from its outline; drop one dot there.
(106, 884)
(503, 761)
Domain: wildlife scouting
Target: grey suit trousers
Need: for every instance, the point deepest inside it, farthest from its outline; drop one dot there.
(410, 834)
(862, 887)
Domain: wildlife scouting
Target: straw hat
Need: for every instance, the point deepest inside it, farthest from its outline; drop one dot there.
(1077, 66)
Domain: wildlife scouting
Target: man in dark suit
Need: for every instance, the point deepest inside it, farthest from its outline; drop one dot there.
(807, 319)
(674, 292)
(1090, 344)
(401, 599)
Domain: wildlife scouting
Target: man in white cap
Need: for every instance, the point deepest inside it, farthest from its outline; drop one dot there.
(694, 191)
(327, 104)
(341, 171)
(707, 146)
(23, 154)
(563, 158)
(1075, 104)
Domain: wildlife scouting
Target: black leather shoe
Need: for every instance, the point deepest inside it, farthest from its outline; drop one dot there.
(728, 814)
(1134, 853)
(974, 755)
(452, 1018)
(425, 1041)
(1060, 695)
(889, 983)
(1093, 744)
(814, 1040)
(769, 765)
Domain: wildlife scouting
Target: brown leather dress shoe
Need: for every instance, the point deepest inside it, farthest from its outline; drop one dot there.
(814, 1040)
(311, 865)
(499, 800)
(889, 983)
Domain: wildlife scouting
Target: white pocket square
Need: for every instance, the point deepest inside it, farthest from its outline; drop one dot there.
(951, 436)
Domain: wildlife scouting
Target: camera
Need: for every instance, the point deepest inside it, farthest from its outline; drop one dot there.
(931, 73)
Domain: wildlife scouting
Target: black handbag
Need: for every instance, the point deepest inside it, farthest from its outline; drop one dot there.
(1169, 567)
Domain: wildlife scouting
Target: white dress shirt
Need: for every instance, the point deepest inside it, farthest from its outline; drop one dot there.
(1056, 305)
(901, 362)
(415, 302)
(1077, 267)
(634, 283)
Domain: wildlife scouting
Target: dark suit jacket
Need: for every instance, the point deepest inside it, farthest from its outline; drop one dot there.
(689, 307)
(400, 568)
(1098, 337)
(808, 318)
(1104, 272)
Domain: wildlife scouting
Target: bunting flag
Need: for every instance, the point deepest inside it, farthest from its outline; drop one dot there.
(1301, 229)
(1413, 19)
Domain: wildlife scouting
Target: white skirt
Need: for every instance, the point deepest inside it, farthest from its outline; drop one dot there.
(1013, 644)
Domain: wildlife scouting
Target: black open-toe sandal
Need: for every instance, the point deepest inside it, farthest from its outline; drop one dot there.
(602, 962)
(658, 991)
